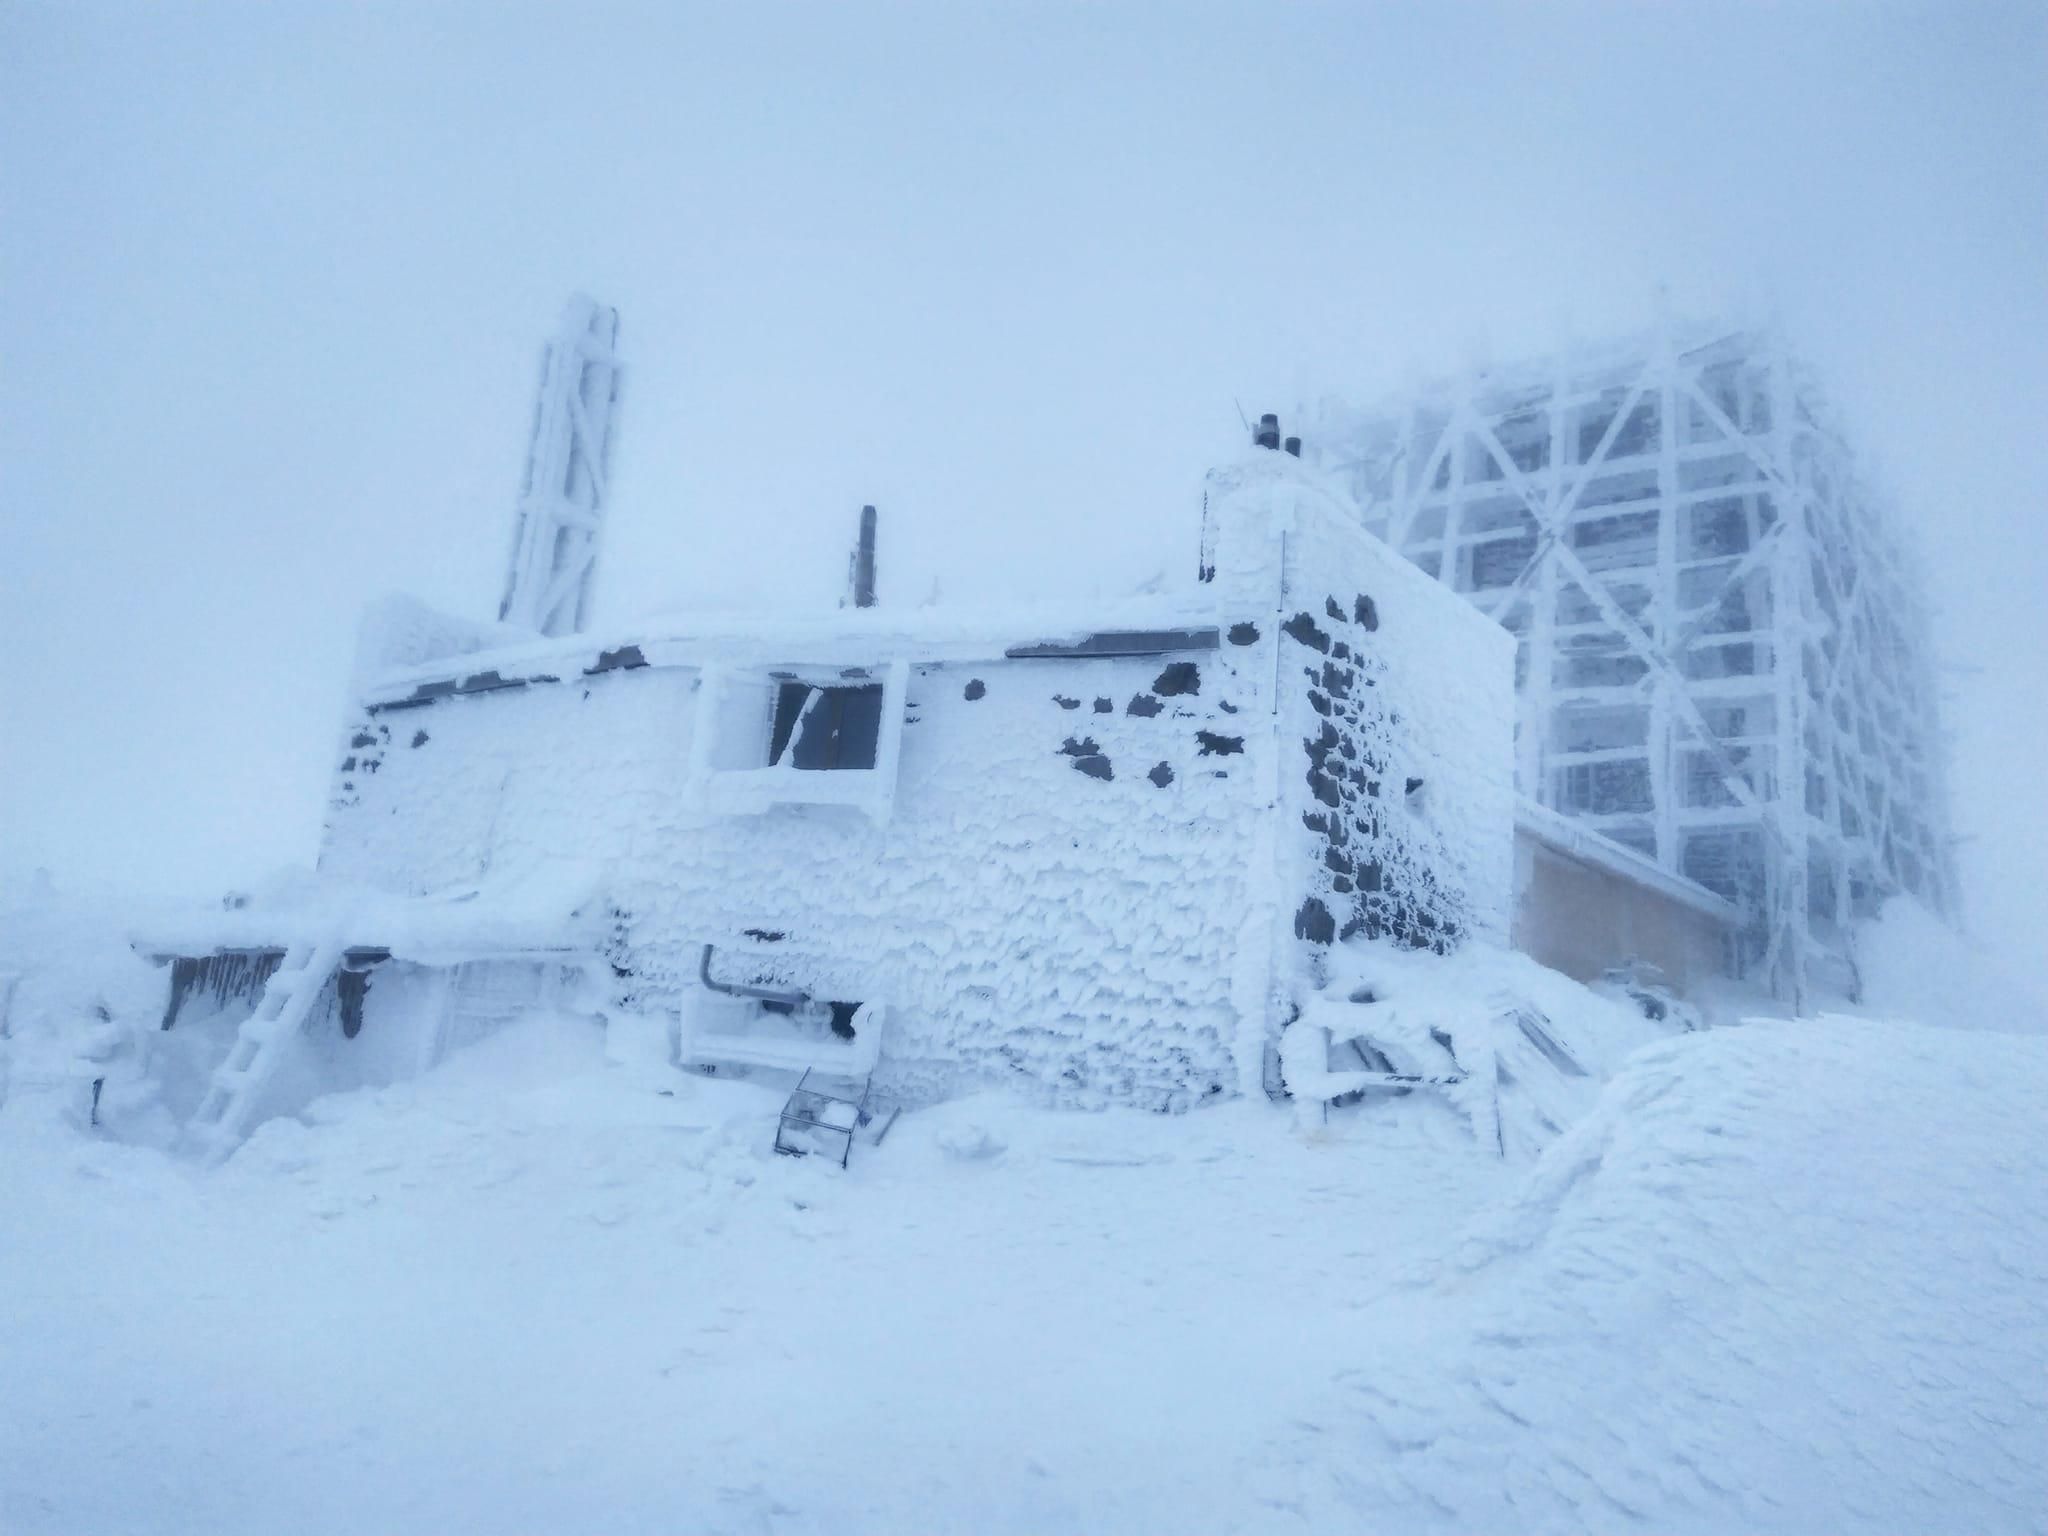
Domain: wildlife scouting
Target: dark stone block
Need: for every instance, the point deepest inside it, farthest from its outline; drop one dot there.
(1064, 702)
(1219, 746)
(1104, 706)
(1095, 765)
(1315, 821)
(1161, 774)
(362, 739)
(1363, 612)
(1336, 680)
(1335, 860)
(1244, 634)
(1341, 651)
(1314, 922)
(1085, 747)
(1142, 705)
(419, 738)
(1330, 607)
(1319, 701)
(1180, 677)
(1324, 788)
(975, 689)
(1303, 628)
(1226, 706)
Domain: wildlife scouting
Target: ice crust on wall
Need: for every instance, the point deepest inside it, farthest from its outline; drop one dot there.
(1089, 876)
(1022, 918)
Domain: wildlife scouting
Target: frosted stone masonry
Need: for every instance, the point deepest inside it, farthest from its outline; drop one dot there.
(1103, 878)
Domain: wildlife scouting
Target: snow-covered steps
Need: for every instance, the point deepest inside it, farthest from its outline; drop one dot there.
(817, 1120)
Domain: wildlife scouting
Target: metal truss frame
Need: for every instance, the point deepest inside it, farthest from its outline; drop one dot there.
(561, 506)
(1724, 658)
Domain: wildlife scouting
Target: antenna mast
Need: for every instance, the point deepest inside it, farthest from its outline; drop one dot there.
(561, 508)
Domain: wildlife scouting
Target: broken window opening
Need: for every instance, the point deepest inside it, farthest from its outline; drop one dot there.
(826, 727)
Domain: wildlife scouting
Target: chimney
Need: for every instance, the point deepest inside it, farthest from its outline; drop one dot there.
(862, 574)
(1294, 446)
(1268, 435)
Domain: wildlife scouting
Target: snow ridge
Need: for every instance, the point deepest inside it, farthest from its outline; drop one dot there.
(1662, 1331)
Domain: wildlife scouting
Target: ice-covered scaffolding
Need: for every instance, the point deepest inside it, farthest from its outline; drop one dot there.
(1724, 659)
(561, 508)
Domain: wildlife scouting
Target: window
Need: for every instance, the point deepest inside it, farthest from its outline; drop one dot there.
(798, 735)
(826, 726)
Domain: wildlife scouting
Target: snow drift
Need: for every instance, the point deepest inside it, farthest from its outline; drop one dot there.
(1786, 1277)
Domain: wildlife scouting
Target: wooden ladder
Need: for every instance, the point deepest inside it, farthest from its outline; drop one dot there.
(265, 1039)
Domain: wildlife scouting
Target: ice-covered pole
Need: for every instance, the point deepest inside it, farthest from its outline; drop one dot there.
(861, 576)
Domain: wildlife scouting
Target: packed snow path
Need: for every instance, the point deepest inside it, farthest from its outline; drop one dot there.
(1784, 1278)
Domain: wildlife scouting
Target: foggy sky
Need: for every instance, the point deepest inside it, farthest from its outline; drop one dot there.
(273, 283)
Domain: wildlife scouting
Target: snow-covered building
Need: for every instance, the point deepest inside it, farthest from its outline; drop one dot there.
(1086, 850)
(1722, 650)
(1102, 852)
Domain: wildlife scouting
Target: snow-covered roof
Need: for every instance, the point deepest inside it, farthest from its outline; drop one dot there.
(556, 910)
(1576, 840)
(853, 637)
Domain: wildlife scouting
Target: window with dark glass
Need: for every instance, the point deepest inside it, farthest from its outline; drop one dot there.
(823, 727)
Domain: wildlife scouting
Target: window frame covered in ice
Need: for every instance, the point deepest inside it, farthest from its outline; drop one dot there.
(780, 735)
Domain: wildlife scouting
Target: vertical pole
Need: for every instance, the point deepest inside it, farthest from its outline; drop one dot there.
(863, 574)
(1785, 854)
(1533, 698)
(1666, 776)
(1456, 433)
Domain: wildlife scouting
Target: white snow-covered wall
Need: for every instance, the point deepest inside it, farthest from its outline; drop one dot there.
(1090, 869)
(1023, 916)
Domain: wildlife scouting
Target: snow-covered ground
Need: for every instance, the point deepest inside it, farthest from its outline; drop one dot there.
(1779, 1277)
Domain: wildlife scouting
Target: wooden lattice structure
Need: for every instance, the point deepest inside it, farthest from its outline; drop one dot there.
(1724, 656)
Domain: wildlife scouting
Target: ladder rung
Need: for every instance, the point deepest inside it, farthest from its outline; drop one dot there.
(287, 993)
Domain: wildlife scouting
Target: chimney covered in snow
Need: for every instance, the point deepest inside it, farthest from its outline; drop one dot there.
(1268, 435)
(862, 573)
(1293, 446)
